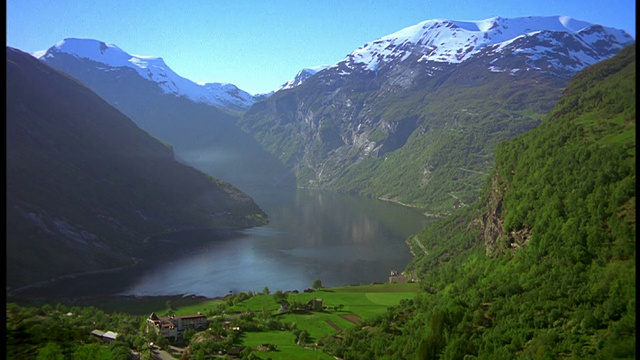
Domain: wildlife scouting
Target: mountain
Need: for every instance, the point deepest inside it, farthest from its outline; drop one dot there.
(87, 189)
(543, 265)
(110, 58)
(202, 135)
(414, 117)
(554, 43)
(301, 76)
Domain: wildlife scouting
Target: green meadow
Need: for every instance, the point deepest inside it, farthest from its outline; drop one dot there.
(285, 346)
(343, 307)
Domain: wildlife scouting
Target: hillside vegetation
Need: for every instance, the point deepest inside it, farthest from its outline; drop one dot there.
(429, 144)
(544, 266)
(254, 321)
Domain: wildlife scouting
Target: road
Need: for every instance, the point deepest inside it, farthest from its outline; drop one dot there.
(162, 355)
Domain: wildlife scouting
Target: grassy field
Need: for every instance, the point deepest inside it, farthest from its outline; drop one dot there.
(363, 301)
(344, 307)
(285, 346)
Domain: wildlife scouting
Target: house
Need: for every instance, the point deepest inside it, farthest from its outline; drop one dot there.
(396, 277)
(108, 335)
(284, 307)
(314, 305)
(174, 326)
(236, 351)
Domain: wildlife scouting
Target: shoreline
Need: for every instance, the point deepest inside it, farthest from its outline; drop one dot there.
(113, 281)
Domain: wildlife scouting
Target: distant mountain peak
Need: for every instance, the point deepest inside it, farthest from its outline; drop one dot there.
(153, 69)
(302, 76)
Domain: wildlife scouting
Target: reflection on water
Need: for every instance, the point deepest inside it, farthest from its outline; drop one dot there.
(341, 240)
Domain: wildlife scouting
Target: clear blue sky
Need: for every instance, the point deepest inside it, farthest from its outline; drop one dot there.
(258, 45)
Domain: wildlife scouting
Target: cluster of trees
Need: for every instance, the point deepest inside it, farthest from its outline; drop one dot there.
(65, 332)
(569, 292)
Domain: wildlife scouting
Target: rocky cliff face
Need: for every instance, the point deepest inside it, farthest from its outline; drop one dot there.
(491, 223)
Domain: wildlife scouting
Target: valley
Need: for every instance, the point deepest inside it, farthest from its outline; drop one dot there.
(516, 137)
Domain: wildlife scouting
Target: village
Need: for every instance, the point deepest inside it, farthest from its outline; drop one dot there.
(178, 330)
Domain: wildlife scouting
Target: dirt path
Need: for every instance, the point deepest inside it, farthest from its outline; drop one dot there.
(333, 325)
(351, 318)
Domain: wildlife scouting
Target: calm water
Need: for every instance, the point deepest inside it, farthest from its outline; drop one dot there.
(341, 240)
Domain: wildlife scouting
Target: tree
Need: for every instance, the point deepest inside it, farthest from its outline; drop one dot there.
(162, 342)
(247, 353)
(86, 352)
(317, 284)
(199, 355)
(120, 350)
(188, 334)
(50, 351)
(146, 352)
(167, 304)
(279, 297)
(303, 337)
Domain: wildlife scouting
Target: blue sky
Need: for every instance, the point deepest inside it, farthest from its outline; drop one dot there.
(258, 45)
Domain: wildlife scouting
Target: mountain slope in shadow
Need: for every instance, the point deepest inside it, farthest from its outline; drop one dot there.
(86, 186)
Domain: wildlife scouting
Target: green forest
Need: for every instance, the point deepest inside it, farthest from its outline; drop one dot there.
(542, 266)
(557, 280)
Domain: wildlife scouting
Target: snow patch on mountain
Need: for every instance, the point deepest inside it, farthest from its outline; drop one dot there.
(450, 41)
(302, 76)
(153, 69)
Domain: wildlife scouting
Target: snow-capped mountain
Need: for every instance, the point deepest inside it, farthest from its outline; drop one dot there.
(424, 107)
(111, 57)
(443, 41)
(302, 75)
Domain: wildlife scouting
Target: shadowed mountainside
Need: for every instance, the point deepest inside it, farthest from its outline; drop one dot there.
(86, 186)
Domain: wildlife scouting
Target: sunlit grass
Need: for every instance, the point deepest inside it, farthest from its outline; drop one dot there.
(286, 347)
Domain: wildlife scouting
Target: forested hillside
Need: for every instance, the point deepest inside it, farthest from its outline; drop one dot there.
(543, 267)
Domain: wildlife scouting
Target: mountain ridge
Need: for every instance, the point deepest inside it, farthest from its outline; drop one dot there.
(383, 125)
(463, 39)
(86, 186)
(202, 135)
(451, 81)
(452, 41)
(153, 69)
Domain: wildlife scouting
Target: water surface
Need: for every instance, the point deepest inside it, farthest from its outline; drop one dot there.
(312, 234)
